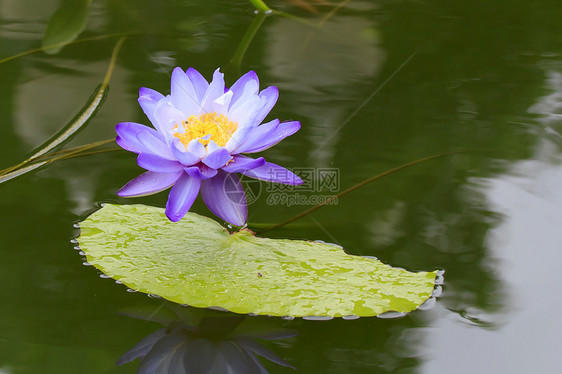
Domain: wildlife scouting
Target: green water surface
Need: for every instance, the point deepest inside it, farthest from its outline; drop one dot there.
(375, 84)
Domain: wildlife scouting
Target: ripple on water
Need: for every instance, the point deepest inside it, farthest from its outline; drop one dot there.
(317, 318)
(391, 315)
(437, 291)
(428, 304)
(217, 308)
(439, 278)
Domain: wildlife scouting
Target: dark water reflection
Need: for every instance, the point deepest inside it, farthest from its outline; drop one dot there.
(381, 84)
(202, 341)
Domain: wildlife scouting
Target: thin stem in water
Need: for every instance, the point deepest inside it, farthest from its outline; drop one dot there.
(236, 60)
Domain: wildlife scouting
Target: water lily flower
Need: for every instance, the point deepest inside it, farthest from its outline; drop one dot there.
(200, 132)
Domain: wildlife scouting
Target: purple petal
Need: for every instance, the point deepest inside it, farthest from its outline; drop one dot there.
(216, 89)
(257, 134)
(268, 99)
(262, 139)
(183, 94)
(181, 197)
(201, 172)
(148, 99)
(217, 158)
(247, 85)
(200, 84)
(274, 173)
(225, 197)
(220, 105)
(150, 94)
(254, 108)
(197, 148)
(238, 138)
(182, 155)
(148, 183)
(212, 146)
(242, 163)
(155, 143)
(158, 164)
(167, 116)
(245, 113)
(127, 136)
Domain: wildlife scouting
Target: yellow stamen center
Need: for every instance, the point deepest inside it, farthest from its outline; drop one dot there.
(197, 126)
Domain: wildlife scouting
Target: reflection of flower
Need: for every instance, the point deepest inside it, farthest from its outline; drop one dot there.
(201, 129)
(203, 341)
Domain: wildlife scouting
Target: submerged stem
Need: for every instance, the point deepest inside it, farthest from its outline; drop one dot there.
(247, 40)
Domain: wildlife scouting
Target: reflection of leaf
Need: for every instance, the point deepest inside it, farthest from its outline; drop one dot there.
(66, 24)
(197, 262)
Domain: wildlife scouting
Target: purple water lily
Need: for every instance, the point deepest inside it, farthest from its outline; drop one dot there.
(201, 129)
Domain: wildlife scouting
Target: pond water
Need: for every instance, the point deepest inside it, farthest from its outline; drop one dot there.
(375, 85)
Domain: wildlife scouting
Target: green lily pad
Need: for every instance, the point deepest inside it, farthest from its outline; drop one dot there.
(198, 262)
